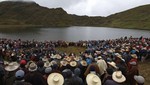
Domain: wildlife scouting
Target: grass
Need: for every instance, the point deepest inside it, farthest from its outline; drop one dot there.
(71, 49)
(145, 71)
(143, 66)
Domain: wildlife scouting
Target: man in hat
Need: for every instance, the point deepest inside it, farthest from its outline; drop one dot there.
(10, 72)
(34, 77)
(102, 66)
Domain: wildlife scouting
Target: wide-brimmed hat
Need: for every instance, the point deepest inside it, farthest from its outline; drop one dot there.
(6, 62)
(58, 56)
(53, 62)
(63, 63)
(68, 59)
(47, 64)
(118, 77)
(139, 79)
(76, 58)
(73, 63)
(55, 79)
(99, 57)
(113, 64)
(44, 59)
(118, 56)
(93, 79)
(12, 66)
(134, 56)
(83, 63)
(32, 67)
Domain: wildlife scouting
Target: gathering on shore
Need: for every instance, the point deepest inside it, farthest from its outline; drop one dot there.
(104, 62)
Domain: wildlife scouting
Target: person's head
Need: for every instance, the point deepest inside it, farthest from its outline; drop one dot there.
(139, 79)
(77, 71)
(19, 75)
(109, 71)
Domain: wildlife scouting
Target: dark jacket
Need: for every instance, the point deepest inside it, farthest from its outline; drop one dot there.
(35, 78)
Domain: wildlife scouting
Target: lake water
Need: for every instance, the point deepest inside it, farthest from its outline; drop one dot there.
(72, 33)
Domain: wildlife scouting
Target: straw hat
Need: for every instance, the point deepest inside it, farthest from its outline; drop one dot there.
(99, 57)
(55, 79)
(83, 63)
(6, 62)
(118, 77)
(47, 64)
(134, 56)
(68, 59)
(45, 59)
(53, 62)
(76, 58)
(32, 67)
(73, 63)
(93, 79)
(113, 64)
(12, 66)
(63, 63)
(118, 56)
(58, 56)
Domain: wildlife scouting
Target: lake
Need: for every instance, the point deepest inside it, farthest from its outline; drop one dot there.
(74, 33)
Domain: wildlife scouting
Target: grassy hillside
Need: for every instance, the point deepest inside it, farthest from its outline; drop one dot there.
(28, 14)
(134, 18)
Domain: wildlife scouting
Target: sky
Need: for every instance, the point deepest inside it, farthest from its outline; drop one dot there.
(91, 7)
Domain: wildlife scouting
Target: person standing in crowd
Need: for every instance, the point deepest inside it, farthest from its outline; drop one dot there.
(19, 75)
(102, 67)
(131, 72)
(34, 77)
(139, 79)
(2, 73)
(10, 73)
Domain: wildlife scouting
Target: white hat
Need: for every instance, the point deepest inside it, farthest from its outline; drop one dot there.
(76, 58)
(32, 67)
(63, 63)
(73, 63)
(113, 64)
(134, 55)
(139, 79)
(12, 66)
(47, 64)
(99, 57)
(118, 77)
(118, 56)
(58, 56)
(83, 63)
(55, 79)
(44, 59)
(93, 79)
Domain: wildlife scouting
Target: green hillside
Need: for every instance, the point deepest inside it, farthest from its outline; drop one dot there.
(134, 18)
(16, 13)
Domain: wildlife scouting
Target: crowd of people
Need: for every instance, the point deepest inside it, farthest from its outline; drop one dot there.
(104, 62)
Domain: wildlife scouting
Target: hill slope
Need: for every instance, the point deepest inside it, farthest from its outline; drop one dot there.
(138, 17)
(30, 13)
